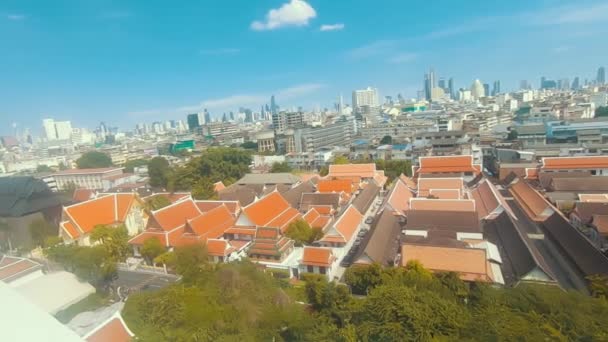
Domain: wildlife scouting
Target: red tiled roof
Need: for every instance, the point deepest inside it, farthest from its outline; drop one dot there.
(408, 181)
(442, 204)
(81, 195)
(205, 206)
(108, 209)
(336, 185)
(70, 229)
(149, 234)
(321, 222)
(217, 247)
(240, 231)
(427, 184)
(445, 193)
(531, 173)
(533, 203)
(399, 198)
(173, 216)
(113, 331)
(219, 186)
(346, 225)
(317, 256)
(575, 163)
(212, 224)
(311, 216)
(13, 268)
(346, 170)
(266, 209)
(322, 209)
(284, 219)
(447, 164)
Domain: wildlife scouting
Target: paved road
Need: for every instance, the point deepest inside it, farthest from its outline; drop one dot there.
(144, 280)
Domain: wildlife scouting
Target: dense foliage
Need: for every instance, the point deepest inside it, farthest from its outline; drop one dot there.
(232, 302)
(132, 164)
(394, 168)
(280, 167)
(93, 160)
(601, 111)
(92, 264)
(386, 140)
(159, 172)
(302, 233)
(157, 202)
(40, 230)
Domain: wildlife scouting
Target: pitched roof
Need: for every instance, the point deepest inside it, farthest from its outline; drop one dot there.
(426, 185)
(13, 268)
(315, 219)
(336, 185)
(269, 242)
(311, 216)
(600, 222)
(212, 224)
(267, 209)
(20, 196)
(244, 194)
(347, 170)
(114, 330)
(486, 198)
(87, 171)
(408, 181)
(81, 195)
(586, 210)
(205, 206)
(602, 198)
(284, 219)
(109, 209)
(173, 216)
(346, 226)
(315, 199)
(575, 163)
(533, 203)
(380, 244)
(70, 229)
(294, 195)
(579, 184)
(456, 221)
(317, 256)
(447, 164)
(216, 247)
(218, 186)
(365, 198)
(399, 197)
(470, 263)
(442, 204)
(269, 178)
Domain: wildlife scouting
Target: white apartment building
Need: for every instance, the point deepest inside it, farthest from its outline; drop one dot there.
(365, 97)
(57, 130)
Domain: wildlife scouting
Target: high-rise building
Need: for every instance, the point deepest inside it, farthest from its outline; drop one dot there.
(486, 89)
(57, 130)
(477, 90)
(441, 83)
(273, 106)
(193, 121)
(427, 87)
(601, 75)
(547, 84)
(576, 83)
(366, 97)
(451, 88)
(523, 85)
(49, 129)
(496, 89)
(207, 116)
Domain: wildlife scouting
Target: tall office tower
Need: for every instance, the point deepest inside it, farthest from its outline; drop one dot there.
(427, 87)
(451, 88)
(563, 84)
(341, 105)
(193, 121)
(231, 116)
(365, 97)
(441, 83)
(486, 89)
(477, 90)
(207, 116)
(57, 130)
(496, 89)
(543, 80)
(432, 78)
(49, 129)
(576, 83)
(273, 105)
(601, 75)
(523, 85)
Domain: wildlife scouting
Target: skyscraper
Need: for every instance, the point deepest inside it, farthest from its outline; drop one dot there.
(193, 121)
(451, 88)
(477, 89)
(441, 83)
(496, 89)
(273, 105)
(207, 116)
(601, 75)
(576, 83)
(57, 130)
(523, 85)
(427, 87)
(486, 89)
(365, 97)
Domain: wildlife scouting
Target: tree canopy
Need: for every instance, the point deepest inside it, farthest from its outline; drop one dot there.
(93, 160)
(159, 172)
(250, 145)
(157, 202)
(203, 189)
(43, 168)
(40, 230)
(301, 232)
(280, 167)
(386, 140)
(601, 111)
(339, 160)
(130, 165)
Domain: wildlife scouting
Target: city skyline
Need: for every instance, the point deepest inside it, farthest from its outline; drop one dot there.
(89, 65)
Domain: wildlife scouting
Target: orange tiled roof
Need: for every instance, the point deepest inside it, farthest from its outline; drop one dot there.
(445, 193)
(139, 239)
(399, 198)
(442, 204)
(380, 178)
(115, 331)
(212, 224)
(346, 225)
(173, 216)
(268, 208)
(577, 163)
(336, 185)
(408, 181)
(531, 173)
(533, 203)
(427, 184)
(322, 209)
(321, 222)
(284, 219)
(311, 216)
(240, 231)
(217, 247)
(70, 229)
(102, 210)
(346, 170)
(470, 263)
(317, 256)
(219, 186)
(205, 206)
(81, 195)
(447, 164)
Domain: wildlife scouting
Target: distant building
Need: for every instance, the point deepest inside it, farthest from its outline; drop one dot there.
(366, 97)
(57, 130)
(601, 75)
(477, 90)
(193, 121)
(496, 89)
(97, 179)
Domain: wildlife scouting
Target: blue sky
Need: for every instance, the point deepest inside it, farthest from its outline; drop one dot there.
(125, 62)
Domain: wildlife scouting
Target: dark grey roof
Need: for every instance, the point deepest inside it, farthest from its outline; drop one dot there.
(294, 195)
(436, 238)
(20, 196)
(366, 197)
(588, 259)
(242, 193)
(382, 242)
(545, 178)
(309, 199)
(455, 221)
(580, 184)
(519, 255)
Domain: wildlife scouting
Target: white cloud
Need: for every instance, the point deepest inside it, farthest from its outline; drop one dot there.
(404, 57)
(293, 13)
(15, 17)
(222, 51)
(333, 27)
(569, 15)
(373, 49)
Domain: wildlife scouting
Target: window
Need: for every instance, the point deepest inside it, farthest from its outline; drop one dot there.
(593, 172)
(322, 270)
(309, 269)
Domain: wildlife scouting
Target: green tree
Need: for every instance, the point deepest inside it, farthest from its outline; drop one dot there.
(151, 249)
(94, 159)
(362, 279)
(601, 111)
(159, 172)
(250, 145)
(92, 264)
(386, 140)
(40, 230)
(339, 160)
(191, 262)
(512, 135)
(301, 232)
(280, 167)
(324, 171)
(43, 168)
(130, 165)
(115, 240)
(598, 284)
(203, 189)
(157, 202)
